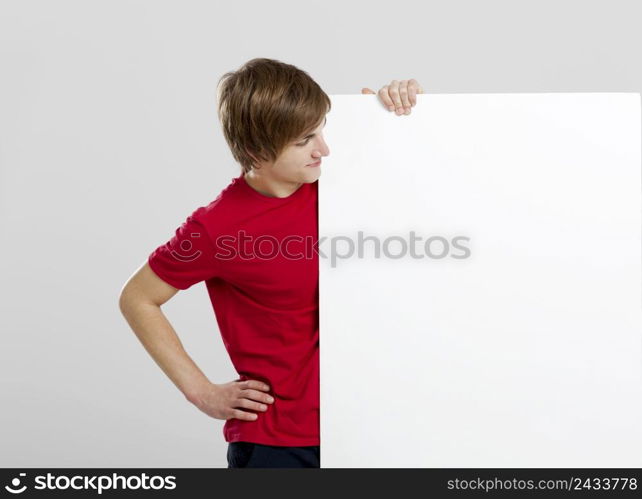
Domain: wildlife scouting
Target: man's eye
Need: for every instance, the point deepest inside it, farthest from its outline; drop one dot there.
(304, 143)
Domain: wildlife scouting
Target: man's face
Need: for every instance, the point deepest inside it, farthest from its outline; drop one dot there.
(293, 165)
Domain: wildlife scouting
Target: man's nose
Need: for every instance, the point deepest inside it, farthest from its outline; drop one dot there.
(325, 150)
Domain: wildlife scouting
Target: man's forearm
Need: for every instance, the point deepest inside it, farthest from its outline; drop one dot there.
(161, 341)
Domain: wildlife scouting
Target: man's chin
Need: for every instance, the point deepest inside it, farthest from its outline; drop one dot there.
(313, 177)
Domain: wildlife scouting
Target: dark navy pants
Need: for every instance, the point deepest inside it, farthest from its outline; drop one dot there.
(251, 455)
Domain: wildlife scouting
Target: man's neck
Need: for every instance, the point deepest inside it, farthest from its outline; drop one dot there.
(270, 187)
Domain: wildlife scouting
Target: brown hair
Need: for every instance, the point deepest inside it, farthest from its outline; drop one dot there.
(265, 105)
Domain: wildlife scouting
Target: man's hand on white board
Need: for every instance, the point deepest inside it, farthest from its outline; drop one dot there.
(399, 95)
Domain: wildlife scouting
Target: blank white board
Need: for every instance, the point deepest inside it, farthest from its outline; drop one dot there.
(528, 351)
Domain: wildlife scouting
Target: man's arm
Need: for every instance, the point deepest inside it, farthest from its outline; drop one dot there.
(140, 303)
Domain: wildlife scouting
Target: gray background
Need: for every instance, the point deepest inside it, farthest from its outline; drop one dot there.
(109, 139)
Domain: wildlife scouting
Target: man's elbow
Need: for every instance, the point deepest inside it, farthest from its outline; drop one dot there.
(125, 299)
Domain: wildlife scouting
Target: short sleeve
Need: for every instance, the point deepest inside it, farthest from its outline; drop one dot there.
(187, 258)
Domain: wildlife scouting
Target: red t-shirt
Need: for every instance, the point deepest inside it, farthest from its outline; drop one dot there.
(257, 257)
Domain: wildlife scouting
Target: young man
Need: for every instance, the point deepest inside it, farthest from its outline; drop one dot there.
(253, 246)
